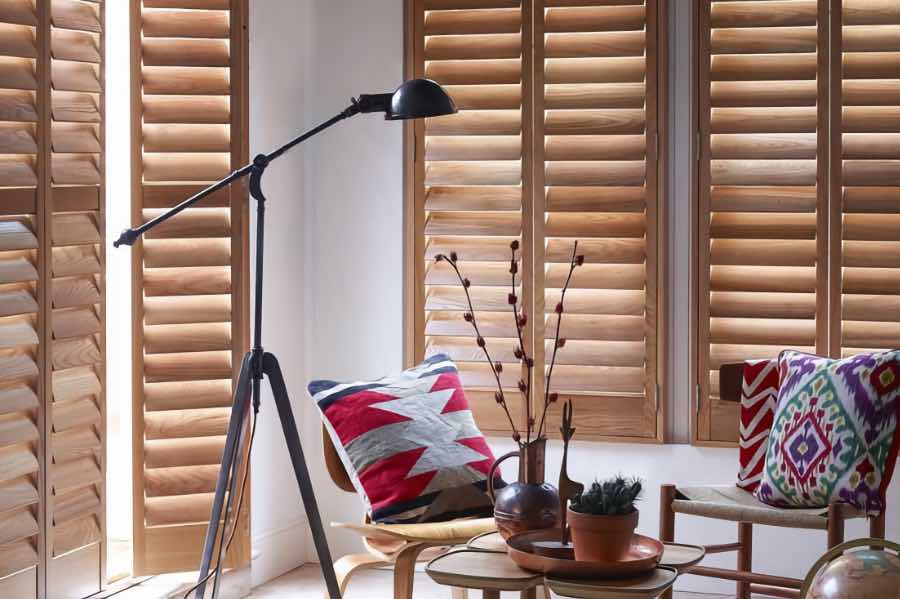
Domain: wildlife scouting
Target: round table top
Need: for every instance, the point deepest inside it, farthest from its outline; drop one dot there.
(648, 586)
(481, 570)
(484, 565)
(675, 555)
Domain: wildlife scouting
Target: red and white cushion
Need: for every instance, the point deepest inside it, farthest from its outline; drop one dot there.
(409, 443)
(759, 398)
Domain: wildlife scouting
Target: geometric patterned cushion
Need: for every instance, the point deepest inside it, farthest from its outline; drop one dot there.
(758, 398)
(409, 444)
(834, 437)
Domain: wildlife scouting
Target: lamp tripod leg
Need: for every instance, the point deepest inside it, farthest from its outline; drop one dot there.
(289, 426)
(235, 431)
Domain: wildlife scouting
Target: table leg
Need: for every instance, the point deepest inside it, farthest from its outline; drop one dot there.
(529, 593)
(490, 594)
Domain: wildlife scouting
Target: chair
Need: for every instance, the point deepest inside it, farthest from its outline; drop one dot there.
(729, 502)
(400, 545)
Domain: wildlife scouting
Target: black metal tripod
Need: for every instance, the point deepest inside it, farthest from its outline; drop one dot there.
(416, 98)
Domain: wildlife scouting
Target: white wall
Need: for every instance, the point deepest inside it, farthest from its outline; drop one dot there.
(337, 298)
(278, 108)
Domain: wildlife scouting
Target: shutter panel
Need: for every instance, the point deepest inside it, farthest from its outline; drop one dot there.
(763, 191)
(20, 317)
(190, 129)
(600, 187)
(470, 191)
(552, 143)
(75, 406)
(866, 176)
(52, 498)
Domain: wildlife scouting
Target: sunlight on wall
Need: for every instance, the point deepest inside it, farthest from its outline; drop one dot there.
(118, 290)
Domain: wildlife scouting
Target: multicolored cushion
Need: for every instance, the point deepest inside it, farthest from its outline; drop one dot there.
(759, 395)
(835, 432)
(409, 443)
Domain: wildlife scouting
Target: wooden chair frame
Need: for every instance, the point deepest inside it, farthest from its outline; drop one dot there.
(402, 555)
(748, 581)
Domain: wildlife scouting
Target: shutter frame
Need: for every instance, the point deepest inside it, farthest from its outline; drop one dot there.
(174, 342)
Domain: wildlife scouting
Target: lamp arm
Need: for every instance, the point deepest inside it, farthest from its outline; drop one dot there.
(129, 236)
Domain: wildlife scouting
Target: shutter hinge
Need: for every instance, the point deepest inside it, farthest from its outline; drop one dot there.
(697, 398)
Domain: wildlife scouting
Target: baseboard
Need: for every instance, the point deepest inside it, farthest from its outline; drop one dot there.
(278, 551)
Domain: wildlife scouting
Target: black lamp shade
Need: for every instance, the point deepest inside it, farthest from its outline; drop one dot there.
(419, 98)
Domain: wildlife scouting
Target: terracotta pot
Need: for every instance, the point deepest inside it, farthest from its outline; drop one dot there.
(529, 503)
(601, 538)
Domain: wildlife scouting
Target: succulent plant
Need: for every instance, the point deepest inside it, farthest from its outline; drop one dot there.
(613, 497)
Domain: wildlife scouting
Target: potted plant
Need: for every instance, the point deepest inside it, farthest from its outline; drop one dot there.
(603, 519)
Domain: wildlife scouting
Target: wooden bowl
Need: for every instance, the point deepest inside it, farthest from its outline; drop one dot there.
(643, 556)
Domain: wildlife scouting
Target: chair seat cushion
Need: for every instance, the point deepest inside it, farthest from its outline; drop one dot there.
(409, 444)
(729, 502)
(451, 532)
(834, 436)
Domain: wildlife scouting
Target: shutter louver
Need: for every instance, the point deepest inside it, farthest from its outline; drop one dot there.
(76, 402)
(470, 191)
(599, 133)
(866, 175)
(554, 141)
(20, 314)
(190, 290)
(51, 299)
(763, 190)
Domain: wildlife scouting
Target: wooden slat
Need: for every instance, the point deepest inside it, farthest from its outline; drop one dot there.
(185, 52)
(17, 493)
(179, 424)
(185, 24)
(191, 451)
(180, 481)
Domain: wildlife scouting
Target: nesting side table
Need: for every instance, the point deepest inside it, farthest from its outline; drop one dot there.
(484, 565)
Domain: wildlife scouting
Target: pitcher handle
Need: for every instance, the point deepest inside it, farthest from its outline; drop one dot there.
(490, 480)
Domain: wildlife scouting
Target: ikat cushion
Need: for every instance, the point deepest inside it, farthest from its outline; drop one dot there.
(409, 443)
(759, 395)
(834, 437)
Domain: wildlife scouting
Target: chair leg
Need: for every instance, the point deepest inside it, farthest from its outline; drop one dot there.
(876, 526)
(666, 521)
(459, 593)
(405, 569)
(835, 525)
(349, 565)
(744, 557)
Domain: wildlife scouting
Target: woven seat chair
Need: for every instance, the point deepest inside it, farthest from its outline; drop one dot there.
(729, 502)
(397, 545)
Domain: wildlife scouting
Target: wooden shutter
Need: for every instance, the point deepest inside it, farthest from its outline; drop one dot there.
(598, 139)
(51, 299)
(866, 176)
(75, 526)
(21, 322)
(762, 189)
(470, 187)
(189, 129)
(575, 112)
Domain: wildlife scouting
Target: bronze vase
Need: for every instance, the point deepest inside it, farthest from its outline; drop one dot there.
(530, 503)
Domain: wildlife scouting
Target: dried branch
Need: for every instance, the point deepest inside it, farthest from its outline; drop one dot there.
(496, 367)
(558, 342)
(521, 319)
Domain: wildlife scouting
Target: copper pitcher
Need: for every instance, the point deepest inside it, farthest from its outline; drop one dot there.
(530, 503)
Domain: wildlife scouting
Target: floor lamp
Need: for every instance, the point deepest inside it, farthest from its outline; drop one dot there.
(417, 98)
